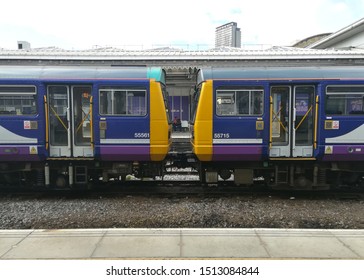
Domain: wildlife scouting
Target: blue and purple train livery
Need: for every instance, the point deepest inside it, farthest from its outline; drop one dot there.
(302, 126)
(70, 124)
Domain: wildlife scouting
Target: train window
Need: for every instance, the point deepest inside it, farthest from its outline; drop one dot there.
(166, 102)
(194, 105)
(18, 100)
(120, 101)
(239, 102)
(344, 100)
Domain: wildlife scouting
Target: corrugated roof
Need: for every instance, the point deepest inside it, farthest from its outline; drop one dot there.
(179, 54)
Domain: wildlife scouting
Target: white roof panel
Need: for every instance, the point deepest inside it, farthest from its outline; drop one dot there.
(179, 54)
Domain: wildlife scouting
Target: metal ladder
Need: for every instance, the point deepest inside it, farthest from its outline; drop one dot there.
(81, 174)
(282, 174)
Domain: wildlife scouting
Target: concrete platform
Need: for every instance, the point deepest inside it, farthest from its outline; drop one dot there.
(181, 243)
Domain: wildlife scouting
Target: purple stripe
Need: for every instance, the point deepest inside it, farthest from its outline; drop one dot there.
(17, 153)
(237, 153)
(125, 153)
(345, 153)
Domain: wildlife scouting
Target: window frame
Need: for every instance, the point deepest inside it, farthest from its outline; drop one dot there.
(18, 94)
(234, 92)
(345, 95)
(112, 90)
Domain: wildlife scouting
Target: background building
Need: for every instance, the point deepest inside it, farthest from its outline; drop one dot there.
(348, 38)
(228, 35)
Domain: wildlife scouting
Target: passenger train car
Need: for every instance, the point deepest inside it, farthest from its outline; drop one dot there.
(301, 127)
(67, 126)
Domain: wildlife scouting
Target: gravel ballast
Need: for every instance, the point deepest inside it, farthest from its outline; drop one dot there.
(246, 211)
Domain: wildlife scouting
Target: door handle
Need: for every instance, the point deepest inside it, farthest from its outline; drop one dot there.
(68, 114)
(294, 114)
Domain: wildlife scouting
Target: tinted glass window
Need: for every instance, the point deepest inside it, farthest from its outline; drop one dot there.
(119, 101)
(344, 100)
(18, 100)
(239, 102)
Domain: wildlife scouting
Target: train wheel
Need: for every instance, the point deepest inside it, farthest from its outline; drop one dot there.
(202, 174)
(61, 181)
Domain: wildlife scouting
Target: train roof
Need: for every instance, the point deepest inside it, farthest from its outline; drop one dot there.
(281, 73)
(81, 72)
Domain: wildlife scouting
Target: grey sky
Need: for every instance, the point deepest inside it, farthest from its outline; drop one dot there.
(82, 24)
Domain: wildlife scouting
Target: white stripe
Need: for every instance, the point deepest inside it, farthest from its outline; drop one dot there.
(8, 137)
(237, 141)
(344, 141)
(125, 141)
(355, 136)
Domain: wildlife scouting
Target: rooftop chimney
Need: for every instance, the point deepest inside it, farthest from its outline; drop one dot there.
(23, 45)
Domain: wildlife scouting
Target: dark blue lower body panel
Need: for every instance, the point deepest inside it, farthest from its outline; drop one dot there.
(237, 153)
(124, 153)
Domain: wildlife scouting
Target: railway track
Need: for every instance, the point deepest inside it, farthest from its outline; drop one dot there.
(179, 188)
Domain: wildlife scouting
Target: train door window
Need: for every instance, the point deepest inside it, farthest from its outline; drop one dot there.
(18, 100)
(280, 118)
(81, 115)
(304, 96)
(344, 100)
(58, 120)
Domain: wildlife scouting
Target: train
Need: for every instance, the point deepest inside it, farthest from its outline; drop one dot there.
(296, 127)
(67, 126)
(287, 127)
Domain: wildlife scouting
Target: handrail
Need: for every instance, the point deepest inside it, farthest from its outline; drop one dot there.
(304, 117)
(83, 120)
(316, 123)
(271, 123)
(57, 116)
(276, 118)
(46, 122)
(91, 123)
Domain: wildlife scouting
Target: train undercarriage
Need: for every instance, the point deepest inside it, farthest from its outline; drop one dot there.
(285, 175)
(292, 175)
(63, 174)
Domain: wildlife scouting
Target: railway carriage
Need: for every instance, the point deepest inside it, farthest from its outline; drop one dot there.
(70, 125)
(301, 127)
